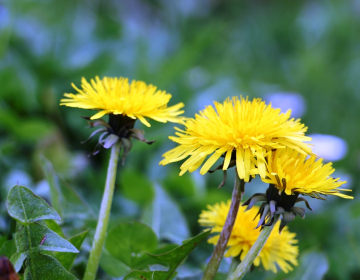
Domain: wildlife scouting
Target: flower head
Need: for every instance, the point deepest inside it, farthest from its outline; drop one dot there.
(290, 174)
(241, 131)
(124, 102)
(279, 250)
(117, 96)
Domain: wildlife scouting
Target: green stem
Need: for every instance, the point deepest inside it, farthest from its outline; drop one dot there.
(100, 234)
(216, 257)
(255, 250)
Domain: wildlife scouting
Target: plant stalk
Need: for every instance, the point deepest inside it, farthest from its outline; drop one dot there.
(216, 257)
(255, 250)
(101, 228)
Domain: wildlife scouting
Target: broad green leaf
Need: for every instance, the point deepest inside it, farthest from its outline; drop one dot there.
(26, 207)
(66, 259)
(44, 267)
(172, 259)
(136, 186)
(128, 243)
(113, 266)
(165, 218)
(8, 249)
(52, 179)
(37, 237)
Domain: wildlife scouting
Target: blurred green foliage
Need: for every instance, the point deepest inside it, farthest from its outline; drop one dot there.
(199, 51)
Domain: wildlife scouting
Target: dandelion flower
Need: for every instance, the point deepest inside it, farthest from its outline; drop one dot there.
(293, 173)
(279, 250)
(117, 96)
(124, 102)
(290, 174)
(242, 132)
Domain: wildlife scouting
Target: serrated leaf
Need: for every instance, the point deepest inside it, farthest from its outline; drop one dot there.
(52, 179)
(37, 237)
(66, 259)
(172, 259)
(165, 217)
(44, 267)
(8, 249)
(128, 243)
(26, 207)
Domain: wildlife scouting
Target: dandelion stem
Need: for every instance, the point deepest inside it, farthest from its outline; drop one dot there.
(220, 247)
(100, 234)
(255, 250)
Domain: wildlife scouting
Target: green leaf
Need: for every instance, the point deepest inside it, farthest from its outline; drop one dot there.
(73, 204)
(37, 237)
(128, 243)
(53, 184)
(54, 226)
(8, 249)
(44, 267)
(113, 266)
(172, 259)
(165, 217)
(64, 198)
(3, 239)
(66, 259)
(136, 186)
(17, 260)
(26, 207)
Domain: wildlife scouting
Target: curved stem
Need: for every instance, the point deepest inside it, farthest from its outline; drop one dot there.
(101, 228)
(216, 257)
(246, 263)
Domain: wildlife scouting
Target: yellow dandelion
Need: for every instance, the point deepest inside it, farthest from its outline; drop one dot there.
(241, 131)
(294, 173)
(279, 250)
(117, 96)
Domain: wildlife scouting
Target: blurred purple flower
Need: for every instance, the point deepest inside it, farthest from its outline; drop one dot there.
(287, 100)
(329, 147)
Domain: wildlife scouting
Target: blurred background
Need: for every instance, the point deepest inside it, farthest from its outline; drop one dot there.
(299, 55)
